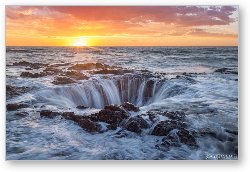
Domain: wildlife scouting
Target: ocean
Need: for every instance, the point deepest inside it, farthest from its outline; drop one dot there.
(121, 103)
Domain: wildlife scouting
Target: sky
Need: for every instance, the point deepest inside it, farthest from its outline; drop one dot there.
(122, 25)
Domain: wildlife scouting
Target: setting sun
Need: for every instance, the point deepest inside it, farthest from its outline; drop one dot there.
(81, 41)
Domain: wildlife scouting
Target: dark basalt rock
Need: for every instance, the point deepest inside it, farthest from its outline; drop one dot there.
(88, 66)
(15, 91)
(15, 106)
(130, 107)
(21, 63)
(226, 71)
(21, 114)
(207, 132)
(178, 115)
(164, 127)
(135, 124)
(31, 65)
(62, 80)
(83, 121)
(50, 71)
(112, 71)
(76, 75)
(111, 114)
(31, 75)
(231, 131)
(186, 138)
(81, 107)
(49, 114)
(89, 125)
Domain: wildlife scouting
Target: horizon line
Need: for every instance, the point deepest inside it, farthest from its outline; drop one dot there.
(123, 46)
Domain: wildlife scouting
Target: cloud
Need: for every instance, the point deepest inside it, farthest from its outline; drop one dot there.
(204, 33)
(132, 21)
(179, 15)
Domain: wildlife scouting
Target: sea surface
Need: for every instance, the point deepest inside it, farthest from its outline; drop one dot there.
(201, 83)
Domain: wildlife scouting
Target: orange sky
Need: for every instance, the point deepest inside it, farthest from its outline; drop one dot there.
(122, 26)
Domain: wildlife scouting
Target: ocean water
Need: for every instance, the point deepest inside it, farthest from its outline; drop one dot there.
(201, 82)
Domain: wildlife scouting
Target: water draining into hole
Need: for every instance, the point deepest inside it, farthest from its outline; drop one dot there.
(98, 92)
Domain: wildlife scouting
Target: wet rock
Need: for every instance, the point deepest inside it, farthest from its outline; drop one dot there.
(113, 71)
(31, 65)
(152, 115)
(75, 74)
(62, 80)
(50, 71)
(186, 138)
(111, 127)
(172, 140)
(81, 107)
(163, 128)
(177, 115)
(226, 71)
(21, 63)
(130, 107)
(49, 114)
(88, 66)
(207, 132)
(15, 106)
(89, 125)
(114, 108)
(231, 131)
(15, 91)
(22, 114)
(31, 75)
(83, 121)
(111, 114)
(136, 124)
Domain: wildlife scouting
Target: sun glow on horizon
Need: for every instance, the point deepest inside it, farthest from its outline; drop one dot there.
(81, 41)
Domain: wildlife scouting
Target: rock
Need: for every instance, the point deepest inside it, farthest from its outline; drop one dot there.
(186, 138)
(231, 131)
(171, 140)
(62, 80)
(49, 114)
(89, 66)
(111, 127)
(15, 106)
(75, 74)
(163, 128)
(50, 71)
(226, 71)
(152, 115)
(112, 71)
(31, 65)
(178, 115)
(89, 125)
(15, 91)
(22, 114)
(111, 114)
(206, 131)
(31, 75)
(70, 116)
(83, 121)
(81, 107)
(21, 63)
(135, 124)
(114, 108)
(130, 107)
